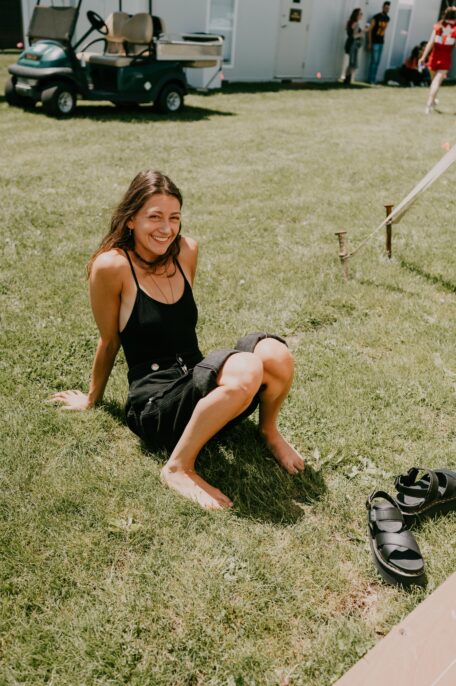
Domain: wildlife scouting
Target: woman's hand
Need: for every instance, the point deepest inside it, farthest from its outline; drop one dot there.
(72, 400)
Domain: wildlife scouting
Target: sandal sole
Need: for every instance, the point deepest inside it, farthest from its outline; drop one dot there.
(432, 510)
(393, 575)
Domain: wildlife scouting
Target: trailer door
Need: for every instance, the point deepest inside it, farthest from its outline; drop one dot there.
(292, 41)
(401, 33)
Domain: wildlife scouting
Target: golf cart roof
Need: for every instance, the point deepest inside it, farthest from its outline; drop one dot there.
(55, 22)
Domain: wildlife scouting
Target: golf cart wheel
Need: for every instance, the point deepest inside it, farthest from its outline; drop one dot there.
(59, 100)
(170, 99)
(14, 99)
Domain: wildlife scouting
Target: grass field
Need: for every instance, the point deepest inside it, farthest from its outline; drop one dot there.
(108, 578)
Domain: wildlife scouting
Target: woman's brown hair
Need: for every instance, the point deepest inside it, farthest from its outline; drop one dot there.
(354, 16)
(144, 186)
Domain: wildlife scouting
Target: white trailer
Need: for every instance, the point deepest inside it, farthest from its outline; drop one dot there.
(281, 39)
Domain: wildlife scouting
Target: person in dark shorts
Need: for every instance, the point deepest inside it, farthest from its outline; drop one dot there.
(376, 40)
(141, 280)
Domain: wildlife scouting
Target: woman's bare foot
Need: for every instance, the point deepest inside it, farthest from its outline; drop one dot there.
(189, 484)
(284, 453)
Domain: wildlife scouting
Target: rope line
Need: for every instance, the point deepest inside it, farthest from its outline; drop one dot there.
(405, 204)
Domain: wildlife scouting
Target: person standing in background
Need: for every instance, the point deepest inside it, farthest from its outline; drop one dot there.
(376, 40)
(440, 47)
(353, 43)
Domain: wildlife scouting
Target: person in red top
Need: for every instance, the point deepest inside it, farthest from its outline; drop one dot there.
(440, 46)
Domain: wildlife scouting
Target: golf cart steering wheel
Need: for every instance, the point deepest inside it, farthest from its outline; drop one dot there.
(97, 23)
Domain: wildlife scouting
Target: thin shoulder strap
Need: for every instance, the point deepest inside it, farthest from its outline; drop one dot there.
(132, 270)
(181, 271)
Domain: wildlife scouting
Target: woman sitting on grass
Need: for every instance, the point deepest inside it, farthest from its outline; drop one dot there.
(140, 290)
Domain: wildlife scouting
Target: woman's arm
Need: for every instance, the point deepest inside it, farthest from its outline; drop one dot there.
(105, 291)
(427, 49)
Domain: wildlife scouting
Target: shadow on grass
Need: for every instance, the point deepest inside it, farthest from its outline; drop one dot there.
(134, 114)
(391, 288)
(276, 86)
(115, 409)
(432, 278)
(444, 112)
(145, 114)
(238, 463)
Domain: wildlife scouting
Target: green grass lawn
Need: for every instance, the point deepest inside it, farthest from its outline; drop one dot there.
(108, 578)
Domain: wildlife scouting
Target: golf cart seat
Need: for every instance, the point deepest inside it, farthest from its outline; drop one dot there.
(115, 38)
(137, 35)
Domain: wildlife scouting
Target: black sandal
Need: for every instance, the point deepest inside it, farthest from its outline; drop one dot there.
(433, 494)
(395, 550)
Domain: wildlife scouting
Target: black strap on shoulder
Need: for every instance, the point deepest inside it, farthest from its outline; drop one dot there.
(182, 271)
(132, 270)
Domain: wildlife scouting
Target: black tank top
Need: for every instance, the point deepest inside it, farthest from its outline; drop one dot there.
(159, 331)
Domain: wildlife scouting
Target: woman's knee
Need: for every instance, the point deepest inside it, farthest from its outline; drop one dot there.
(276, 358)
(242, 374)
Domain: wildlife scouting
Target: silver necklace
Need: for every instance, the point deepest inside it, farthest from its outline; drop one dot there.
(162, 292)
(152, 264)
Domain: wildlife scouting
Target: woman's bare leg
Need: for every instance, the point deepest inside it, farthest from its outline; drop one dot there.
(437, 81)
(278, 368)
(238, 381)
(345, 61)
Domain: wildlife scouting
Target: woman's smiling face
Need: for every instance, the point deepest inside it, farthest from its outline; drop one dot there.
(156, 225)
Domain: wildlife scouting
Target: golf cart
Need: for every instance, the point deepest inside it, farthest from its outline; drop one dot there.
(138, 63)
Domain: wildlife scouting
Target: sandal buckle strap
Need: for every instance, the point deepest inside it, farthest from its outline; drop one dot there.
(388, 514)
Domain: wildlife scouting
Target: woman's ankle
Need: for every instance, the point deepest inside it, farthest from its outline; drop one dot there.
(269, 433)
(174, 466)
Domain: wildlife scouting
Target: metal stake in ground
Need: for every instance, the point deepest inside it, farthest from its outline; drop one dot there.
(343, 252)
(389, 227)
(399, 211)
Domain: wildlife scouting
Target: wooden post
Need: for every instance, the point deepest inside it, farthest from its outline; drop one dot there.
(389, 226)
(343, 252)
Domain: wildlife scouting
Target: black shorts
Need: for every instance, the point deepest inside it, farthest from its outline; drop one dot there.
(160, 403)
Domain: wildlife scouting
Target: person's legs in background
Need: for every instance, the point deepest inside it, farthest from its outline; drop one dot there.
(352, 64)
(376, 56)
(343, 73)
(437, 79)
